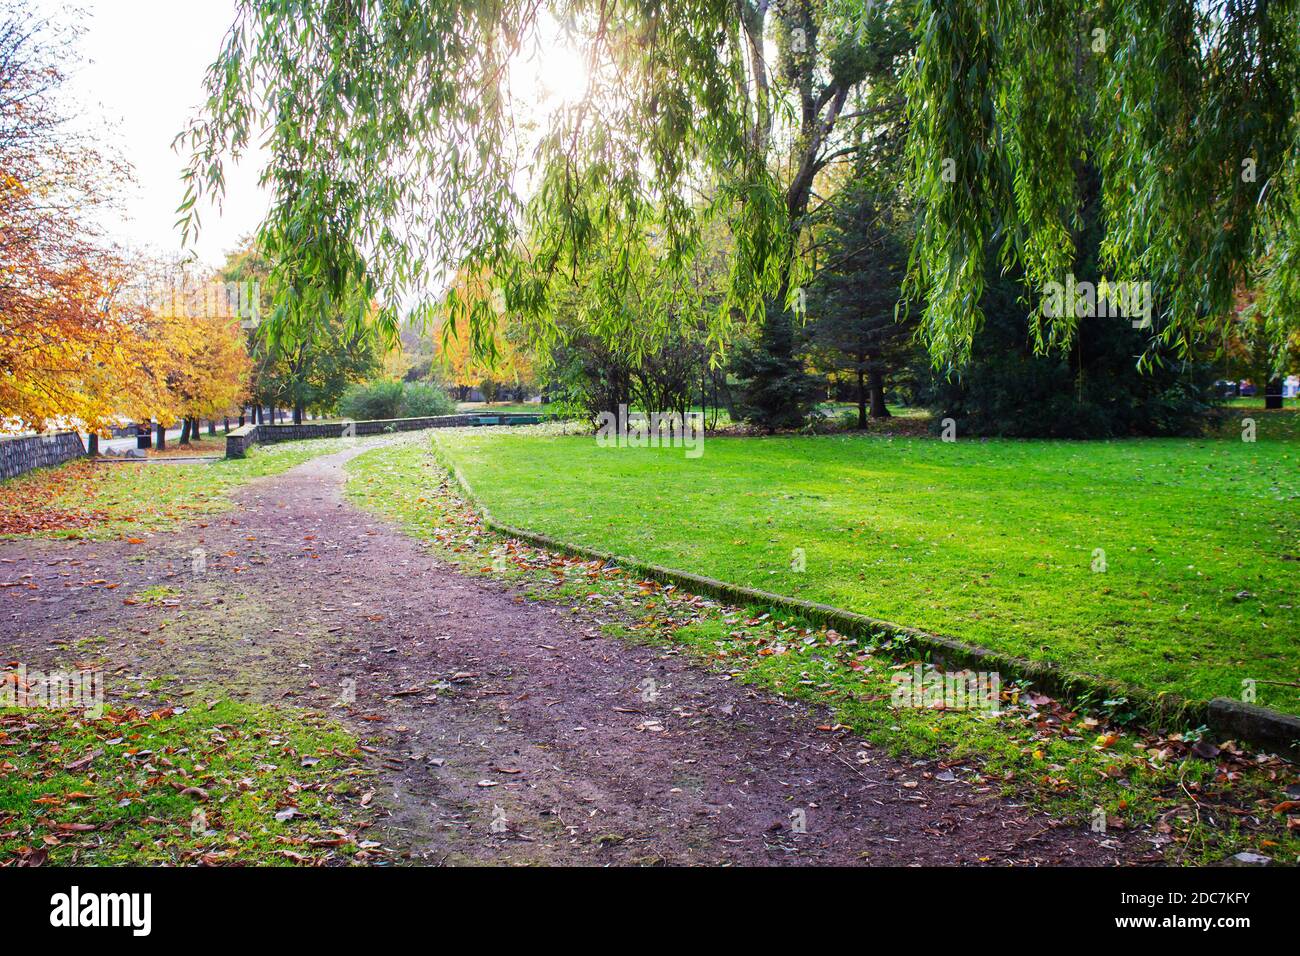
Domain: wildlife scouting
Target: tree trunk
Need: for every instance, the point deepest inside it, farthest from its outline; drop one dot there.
(1273, 393)
(297, 413)
(878, 407)
(142, 439)
(185, 431)
(161, 441)
(862, 398)
(92, 444)
(227, 424)
(212, 426)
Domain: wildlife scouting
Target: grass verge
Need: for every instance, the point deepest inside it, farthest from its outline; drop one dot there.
(227, 784)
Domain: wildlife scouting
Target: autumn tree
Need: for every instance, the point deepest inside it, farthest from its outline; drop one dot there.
(503, 360)
(208, 366)
(70, 331)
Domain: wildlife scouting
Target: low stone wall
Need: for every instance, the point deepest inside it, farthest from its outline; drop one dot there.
(270, 434)
(20, 455)
(382, 426)
(241, 439)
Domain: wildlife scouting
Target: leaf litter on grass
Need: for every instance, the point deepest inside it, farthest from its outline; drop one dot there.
(226, 784)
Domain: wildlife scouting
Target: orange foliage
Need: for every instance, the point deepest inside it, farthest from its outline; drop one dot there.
(512, 363)
(79, 346)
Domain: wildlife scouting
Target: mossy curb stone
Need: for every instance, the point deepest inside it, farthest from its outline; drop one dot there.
(1261, 726)
(1228, 719)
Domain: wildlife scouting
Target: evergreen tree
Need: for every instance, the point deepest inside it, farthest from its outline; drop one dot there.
(776, 391)
(853, 321)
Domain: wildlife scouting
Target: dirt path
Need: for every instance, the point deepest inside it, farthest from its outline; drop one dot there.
(509, 731)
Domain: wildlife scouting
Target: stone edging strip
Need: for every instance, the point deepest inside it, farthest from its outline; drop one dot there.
(1229, 719)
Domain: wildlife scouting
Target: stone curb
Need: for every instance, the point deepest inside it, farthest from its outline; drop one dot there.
(1227, 718)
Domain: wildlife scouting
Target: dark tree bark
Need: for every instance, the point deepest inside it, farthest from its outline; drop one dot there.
(878, 407)
(161, 441)
(185, 432)
(297, 413)
(1273, 393)
(142, 439)
(862, 397)
(212, 426)
(92, 445)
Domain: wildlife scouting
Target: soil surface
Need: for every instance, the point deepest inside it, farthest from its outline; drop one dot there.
(505, 730)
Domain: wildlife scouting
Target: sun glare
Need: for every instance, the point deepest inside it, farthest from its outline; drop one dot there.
(563, 79)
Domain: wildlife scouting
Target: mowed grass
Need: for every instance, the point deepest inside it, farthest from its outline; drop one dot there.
(992, 542)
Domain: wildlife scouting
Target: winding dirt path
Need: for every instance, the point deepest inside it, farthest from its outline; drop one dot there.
(507, 730)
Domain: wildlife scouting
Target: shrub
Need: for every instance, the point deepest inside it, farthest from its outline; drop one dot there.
(373, 400)
(388, 398)
(425, 400)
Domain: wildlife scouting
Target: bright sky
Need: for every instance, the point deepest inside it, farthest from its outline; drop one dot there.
(143, 76)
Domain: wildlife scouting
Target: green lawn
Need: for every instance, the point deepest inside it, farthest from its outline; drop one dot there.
(1069, 759)
(502, 408)
(1257, 402)
(991, 542)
